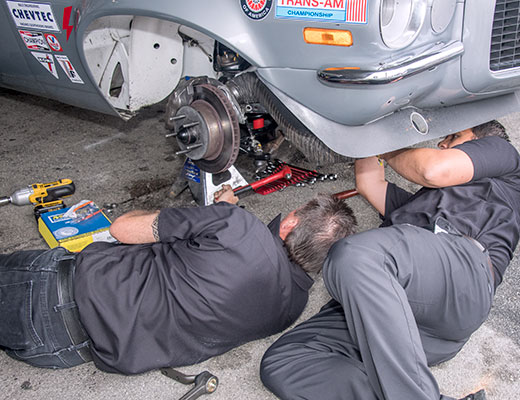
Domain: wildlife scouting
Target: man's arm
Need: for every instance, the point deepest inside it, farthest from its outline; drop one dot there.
(371, 183)
(432, 168)
(136, 227)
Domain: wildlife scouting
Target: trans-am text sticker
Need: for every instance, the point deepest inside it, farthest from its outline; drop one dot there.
(47, 61)
(354, 11)
(33, 15)
(34, 40)
(69, 69)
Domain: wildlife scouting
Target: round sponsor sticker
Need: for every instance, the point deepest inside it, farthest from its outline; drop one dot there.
(53, 42)
(256, 9)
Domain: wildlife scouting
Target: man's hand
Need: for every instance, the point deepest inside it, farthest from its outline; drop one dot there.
(226, 194)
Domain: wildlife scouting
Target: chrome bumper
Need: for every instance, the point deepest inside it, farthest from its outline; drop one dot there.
(394, 72)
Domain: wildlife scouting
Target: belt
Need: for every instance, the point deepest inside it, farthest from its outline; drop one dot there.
(69, 310)
(483, 250)
(442, 225)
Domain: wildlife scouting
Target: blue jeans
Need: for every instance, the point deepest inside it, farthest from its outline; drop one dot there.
(32, 327)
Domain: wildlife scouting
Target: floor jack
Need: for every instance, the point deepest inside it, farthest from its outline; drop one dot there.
(203, 185)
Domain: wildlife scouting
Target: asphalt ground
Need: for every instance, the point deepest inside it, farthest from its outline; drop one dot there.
(132, 165)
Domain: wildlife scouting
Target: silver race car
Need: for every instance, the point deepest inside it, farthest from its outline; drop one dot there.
(338, 78)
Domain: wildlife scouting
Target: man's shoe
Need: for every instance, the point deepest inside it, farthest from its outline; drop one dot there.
(480, 395)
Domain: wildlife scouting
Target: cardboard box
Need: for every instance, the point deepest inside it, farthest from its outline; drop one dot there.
(74, 235)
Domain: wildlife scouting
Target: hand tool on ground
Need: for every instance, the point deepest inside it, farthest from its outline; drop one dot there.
(205, 382)
(280, 176)
(347, 194)
(44, 196)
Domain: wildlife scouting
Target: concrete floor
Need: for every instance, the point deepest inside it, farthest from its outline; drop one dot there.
(133, 165)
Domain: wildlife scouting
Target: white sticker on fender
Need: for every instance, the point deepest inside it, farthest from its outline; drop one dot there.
(47, 61)
(69, 69)
(33, 15)
(323, 10)
(34, 40)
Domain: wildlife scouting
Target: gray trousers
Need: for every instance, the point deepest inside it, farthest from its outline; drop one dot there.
(403, 298)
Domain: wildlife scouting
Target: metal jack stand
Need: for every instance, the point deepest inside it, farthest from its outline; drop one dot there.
(203, 185)
(205, 382)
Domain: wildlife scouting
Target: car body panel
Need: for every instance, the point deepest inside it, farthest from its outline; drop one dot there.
(126, 54)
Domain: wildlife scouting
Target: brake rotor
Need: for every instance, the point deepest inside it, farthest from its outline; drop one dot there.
(207, 129)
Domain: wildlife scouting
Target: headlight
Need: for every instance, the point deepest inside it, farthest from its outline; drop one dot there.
(401, 21)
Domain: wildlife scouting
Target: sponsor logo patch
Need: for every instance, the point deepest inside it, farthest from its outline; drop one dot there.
(353, 11)
(34, 40)
(53, 42)
(69, 69)
(32, 15)
(256, 9)
(47, 61)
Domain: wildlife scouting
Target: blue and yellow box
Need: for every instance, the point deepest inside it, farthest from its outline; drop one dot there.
(74, 234)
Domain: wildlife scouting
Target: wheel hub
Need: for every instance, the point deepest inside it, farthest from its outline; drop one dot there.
(206, 128)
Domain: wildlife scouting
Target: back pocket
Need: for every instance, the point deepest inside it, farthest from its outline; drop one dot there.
(16, 328)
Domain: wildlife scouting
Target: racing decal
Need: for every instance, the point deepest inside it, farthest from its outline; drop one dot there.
(69, 69)
(256, 9)
(33, 15)
(67, 12)
(357, 11)
(34, 40)
(354, 11)
(53, 42)
(47, 61)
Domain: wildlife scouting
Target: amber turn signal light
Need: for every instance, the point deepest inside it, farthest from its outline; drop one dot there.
(332, 37)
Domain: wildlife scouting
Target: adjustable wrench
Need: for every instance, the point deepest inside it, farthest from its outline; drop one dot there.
(205, 382)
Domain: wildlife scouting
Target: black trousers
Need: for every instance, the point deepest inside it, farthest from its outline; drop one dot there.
(404, 298)
(39, 323)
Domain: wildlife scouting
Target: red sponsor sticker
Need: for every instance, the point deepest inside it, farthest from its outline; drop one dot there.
(256, 9)
(53, 42)
(34, 40)
(256, 5)
(67, 26)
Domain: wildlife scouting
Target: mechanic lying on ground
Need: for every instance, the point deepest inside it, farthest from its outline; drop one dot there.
(189, 284)
(410, 293)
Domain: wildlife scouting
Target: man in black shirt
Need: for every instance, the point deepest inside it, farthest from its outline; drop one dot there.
(409, 294)
(186, 285)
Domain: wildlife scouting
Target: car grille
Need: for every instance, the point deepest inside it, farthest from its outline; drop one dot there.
(505, 37)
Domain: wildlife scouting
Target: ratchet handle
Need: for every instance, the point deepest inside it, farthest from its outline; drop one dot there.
(284, 173)
(346, 194)
(205, 383)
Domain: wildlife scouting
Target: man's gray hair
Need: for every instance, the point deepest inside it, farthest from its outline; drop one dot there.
(321, 222)
(491, 128)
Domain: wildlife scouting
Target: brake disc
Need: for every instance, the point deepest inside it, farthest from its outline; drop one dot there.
(206, 127)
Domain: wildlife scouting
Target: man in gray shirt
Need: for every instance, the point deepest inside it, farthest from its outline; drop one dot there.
(186, 284)
(409, 294)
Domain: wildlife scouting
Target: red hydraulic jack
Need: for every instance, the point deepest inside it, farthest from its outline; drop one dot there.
(205, 382)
